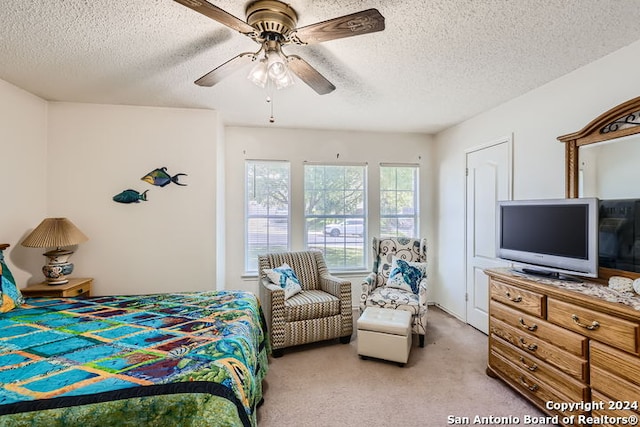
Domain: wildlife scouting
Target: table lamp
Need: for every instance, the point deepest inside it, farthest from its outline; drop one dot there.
(56, 233)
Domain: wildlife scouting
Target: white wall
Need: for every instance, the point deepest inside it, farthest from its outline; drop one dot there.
(23, 168)
(167, 243)
(221, 218)
(298, 146)
(536, 119)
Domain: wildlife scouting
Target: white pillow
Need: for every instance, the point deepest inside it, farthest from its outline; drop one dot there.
(406, 275)
(285, 277)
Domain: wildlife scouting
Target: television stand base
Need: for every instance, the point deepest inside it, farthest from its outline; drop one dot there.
(548, 274)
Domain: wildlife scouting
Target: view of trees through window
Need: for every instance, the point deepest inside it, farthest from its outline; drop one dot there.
(335, 213)
(398, 201)
(335, 209)
(267, 209)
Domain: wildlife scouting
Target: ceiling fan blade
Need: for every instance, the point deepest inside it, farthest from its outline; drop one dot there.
(215, 13)
(217, 74)
(309, 75)
(367, 21)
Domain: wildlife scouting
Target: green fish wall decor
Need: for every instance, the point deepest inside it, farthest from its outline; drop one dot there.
(160, 177)
(130, 196)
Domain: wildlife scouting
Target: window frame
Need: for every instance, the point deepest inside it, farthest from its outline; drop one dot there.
(362, 266)
(416, 200)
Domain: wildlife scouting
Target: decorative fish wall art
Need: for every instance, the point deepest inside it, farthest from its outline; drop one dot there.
(130, 196)
(160, 177)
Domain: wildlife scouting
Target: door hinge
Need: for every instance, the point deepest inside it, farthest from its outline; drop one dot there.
(466, 171)
(466, 297)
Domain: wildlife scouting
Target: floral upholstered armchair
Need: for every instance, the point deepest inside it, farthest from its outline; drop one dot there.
(399, 279)
(302, 302)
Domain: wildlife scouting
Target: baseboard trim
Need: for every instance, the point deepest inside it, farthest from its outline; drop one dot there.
(449, 312)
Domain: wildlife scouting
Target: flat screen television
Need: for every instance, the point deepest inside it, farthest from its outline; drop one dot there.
(549, 237)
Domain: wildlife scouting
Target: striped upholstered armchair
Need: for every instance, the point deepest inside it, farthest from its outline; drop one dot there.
(319, 308)
(399, 279)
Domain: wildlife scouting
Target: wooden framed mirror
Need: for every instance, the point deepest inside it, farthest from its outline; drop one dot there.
(615, 126)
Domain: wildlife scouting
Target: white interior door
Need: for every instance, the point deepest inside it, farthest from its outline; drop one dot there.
(488, 180)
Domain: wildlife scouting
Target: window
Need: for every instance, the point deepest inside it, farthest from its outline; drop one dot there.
(267, 209)
(398, 200)
(335, 213)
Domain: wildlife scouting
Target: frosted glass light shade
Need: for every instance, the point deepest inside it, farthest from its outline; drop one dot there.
(278, 70)
(276, 66)
(285, 80)
(259, 74)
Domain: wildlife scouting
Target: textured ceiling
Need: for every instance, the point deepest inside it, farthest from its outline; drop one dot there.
(437, 63)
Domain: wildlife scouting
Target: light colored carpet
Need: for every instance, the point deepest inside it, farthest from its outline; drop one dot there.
(327, 384)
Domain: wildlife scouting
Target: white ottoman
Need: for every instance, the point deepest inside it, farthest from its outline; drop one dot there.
(385, 333)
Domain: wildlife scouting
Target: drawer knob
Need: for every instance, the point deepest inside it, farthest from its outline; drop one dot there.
(530, 347)
(514, 299)
(533, 387)
(529, 367)
(524, 325)
(592, 327)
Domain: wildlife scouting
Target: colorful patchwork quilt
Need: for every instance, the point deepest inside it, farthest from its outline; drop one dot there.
(184, 359)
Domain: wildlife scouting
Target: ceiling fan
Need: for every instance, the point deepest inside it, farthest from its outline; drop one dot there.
(272, 24)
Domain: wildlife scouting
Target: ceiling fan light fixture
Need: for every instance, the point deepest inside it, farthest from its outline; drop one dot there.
(274, 23)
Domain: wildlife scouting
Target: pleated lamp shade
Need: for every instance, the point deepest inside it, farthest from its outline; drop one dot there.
(54, 233)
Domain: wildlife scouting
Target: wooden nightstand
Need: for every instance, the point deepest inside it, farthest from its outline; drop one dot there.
(75, 287)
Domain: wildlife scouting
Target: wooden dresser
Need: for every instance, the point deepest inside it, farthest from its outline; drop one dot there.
(572, 349)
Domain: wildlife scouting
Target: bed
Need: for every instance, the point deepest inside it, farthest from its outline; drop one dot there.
(180, 359)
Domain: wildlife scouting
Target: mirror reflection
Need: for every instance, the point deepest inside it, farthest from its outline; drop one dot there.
(610, 169)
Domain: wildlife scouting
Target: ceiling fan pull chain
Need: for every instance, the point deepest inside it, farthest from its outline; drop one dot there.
(272, 119)
(270, 99)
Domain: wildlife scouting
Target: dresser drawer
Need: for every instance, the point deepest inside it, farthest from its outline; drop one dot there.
(566, 340)
(618, 332)
(624, 365)
(568, 363)
(543, 371)
(611, 385)
(75, 287)
(529, 302)
(528, 385)
(609, 406)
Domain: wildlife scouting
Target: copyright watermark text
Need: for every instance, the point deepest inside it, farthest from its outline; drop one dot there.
(626, 418)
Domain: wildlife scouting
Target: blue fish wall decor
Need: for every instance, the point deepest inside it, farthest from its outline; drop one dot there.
(160, 177)
(130, 196)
